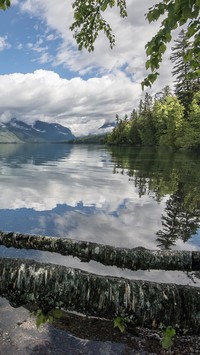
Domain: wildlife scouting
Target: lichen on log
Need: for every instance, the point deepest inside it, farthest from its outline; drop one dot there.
(133, 259)
(145, 303)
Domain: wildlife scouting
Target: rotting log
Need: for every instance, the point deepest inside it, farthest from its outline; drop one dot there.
(147, 304)
(133, 259)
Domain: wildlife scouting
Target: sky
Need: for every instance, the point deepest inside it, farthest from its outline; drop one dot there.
(44, 76)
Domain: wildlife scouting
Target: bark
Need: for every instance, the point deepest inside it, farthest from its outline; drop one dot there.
(133, 259)
(147, 304)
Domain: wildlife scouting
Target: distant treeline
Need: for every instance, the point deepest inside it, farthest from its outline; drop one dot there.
(91, 139)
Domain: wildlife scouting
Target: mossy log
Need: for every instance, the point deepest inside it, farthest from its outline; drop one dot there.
(133, 259)
(146, 303)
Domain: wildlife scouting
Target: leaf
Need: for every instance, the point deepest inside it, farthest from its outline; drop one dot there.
(148, 64)
(145, 82)
(119, 323)
(104, 7)
(162, 48)
(168, 36)
(167, 340)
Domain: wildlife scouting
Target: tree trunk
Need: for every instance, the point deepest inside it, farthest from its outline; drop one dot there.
(146, 303)
(133, 259)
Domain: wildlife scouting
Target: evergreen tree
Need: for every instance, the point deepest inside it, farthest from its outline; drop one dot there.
(166, 91)
(134, 136)
(145, 121)
(120, 132)
(168, 117)
(185, 83)
(189, 137)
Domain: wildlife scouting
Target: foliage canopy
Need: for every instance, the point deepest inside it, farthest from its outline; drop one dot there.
(178, 13)
(89, 21)
(4, 4)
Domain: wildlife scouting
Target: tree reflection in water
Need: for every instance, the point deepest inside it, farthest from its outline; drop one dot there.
(179, 221)
(162, 174)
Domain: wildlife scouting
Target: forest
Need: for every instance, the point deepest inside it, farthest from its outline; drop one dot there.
(170, 118)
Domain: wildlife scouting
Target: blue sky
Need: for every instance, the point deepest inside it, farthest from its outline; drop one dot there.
(44, 76)
(25, 41)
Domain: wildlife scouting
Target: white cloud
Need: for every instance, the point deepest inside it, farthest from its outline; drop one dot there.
(51, 37)
(37, 46)
(115, 75)
(20, 46)
(45, 58)
(3, 43)
(132, 33)
(83, 105)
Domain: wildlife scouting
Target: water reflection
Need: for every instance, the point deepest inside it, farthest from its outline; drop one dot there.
(123, 197)
(177, 277)
(171, 176)
(71, 334)
(179, 221)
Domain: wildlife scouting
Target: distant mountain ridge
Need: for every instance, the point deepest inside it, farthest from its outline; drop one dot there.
(108, 125)
(16, 131)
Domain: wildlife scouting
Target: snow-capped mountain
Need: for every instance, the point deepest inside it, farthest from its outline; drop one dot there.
(18, 131)
(107, 127)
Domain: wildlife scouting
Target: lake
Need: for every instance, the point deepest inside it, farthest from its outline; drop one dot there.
(124, 197)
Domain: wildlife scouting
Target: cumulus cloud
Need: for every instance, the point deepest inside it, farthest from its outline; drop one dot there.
(132, 33)
(82, 105)
(113, 76)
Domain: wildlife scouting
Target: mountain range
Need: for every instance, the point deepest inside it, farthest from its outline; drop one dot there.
(16, 131)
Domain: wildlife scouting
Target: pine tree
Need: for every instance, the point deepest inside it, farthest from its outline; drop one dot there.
(189, 137)
(186, 84)
(145, 121)
(134, 136)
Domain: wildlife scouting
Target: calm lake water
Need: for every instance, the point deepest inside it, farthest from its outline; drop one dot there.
(125, 197)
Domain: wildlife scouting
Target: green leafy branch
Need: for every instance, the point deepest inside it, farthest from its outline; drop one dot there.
(89, 21)
(4, 4)
(179, 13)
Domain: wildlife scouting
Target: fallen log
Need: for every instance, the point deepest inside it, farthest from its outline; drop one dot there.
(133, 259)
(146, 304)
